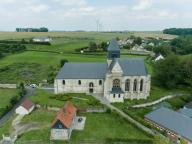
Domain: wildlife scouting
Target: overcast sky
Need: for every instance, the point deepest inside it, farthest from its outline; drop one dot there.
(82, 14)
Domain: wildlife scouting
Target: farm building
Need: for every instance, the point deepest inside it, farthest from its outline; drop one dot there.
(117, 79)
(42, 39)
(177, 125)
(25, 108)
(62, 126)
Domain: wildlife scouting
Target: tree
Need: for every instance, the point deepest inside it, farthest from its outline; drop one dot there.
(165, 50)
(168, 72)
(186, 66)
(62, 62)
(92, 46)
(138, 40)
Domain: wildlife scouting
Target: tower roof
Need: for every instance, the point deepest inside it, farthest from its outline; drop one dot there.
(113, 46)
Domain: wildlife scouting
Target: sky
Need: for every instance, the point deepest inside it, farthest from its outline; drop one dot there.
(69, 15)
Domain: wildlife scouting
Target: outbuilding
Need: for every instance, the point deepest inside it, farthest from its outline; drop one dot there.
(25, 108)
(64, 123)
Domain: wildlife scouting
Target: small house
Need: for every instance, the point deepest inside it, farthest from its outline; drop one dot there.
(42, 39)
(159, 57)
(25, 108)
(62, 126)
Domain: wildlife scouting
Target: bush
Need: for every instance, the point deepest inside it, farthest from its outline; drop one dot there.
(108, 110)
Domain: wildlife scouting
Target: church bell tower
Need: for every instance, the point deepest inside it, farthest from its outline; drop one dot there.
(113, 51)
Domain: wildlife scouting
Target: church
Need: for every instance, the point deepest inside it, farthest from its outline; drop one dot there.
(116, 79)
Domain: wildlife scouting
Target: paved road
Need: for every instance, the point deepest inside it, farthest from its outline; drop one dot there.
(8, 115)
(106, 102)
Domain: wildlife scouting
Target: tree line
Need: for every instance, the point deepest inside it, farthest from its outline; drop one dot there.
(178, 31)
(174, 71)
(42, 29)
(10, 48)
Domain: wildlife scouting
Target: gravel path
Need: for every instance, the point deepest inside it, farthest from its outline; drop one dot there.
(157, 101)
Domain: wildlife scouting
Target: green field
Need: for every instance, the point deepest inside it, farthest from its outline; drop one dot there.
(35, 66)
(98, 127)
(5, 97)
(104, 36)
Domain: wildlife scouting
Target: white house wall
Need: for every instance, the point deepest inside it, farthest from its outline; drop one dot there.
(59, 134)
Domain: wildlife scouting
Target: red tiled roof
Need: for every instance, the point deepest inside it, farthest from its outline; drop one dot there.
(66, 115)
(27, 104)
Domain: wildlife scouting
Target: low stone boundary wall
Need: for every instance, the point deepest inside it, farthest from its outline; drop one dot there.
(85, 110)
(11, 86)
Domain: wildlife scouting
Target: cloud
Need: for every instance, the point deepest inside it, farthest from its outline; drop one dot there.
(81, 14)
(38, 8)
(143, 5)
(72, 2)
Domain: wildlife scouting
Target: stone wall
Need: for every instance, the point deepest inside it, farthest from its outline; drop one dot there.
(12, 86)
(72, 86)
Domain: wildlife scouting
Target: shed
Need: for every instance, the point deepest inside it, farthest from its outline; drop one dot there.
(25, 108)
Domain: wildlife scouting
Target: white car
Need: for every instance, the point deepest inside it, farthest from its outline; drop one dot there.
(33, 85)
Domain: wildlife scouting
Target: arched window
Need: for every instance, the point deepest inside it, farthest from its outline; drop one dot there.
(141, 85)
(135, 85)
(79, 82)
(100, 82)
(116, 83)
(63, 82)
(113, 95)
(119, 95)
(127, 85)
(91, 85)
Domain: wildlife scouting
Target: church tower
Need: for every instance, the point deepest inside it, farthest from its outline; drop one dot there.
(113, 51)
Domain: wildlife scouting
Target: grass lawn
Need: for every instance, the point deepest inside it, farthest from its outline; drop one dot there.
(98, 127)
(5, 97)
(102, 126)
(6, 128)
(45, 98)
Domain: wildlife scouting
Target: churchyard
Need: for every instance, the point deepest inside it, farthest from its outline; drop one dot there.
(40, 62)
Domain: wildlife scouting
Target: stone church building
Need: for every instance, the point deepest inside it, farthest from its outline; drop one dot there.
(116, 79)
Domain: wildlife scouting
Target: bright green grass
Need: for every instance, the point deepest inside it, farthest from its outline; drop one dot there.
(98, 127)
(45, 98)
(6, 128)
(6, 95)
(35, 66)
(40, 115)
(101, 126)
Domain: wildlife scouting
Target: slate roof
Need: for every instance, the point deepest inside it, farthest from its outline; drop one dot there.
(83, 71)
(130, 67)
(113, 46)
(174, 121)
(27, 104)
(133, 67)
(186, 112)
(66, 115)
(189, 105)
